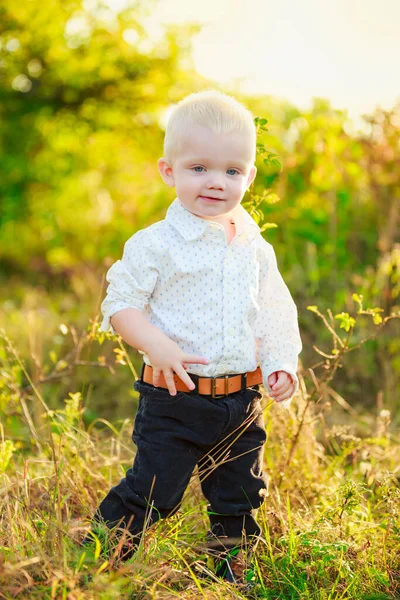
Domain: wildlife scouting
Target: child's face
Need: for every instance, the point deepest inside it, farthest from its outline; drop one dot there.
(210, 165)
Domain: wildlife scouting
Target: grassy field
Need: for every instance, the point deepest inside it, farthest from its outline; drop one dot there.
(83, 121)
(331, 521)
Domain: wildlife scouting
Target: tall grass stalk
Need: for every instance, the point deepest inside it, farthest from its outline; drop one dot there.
(330, 523)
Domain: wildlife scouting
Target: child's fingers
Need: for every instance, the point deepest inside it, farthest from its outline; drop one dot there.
(156, 376)
(284, 396)
(284, 387)
(283, 381)
(180, 371)
(192, 358)
(169, 380)
(287, 392)
(281, 393)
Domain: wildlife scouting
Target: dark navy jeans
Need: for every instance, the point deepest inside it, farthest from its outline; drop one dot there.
(223, 436)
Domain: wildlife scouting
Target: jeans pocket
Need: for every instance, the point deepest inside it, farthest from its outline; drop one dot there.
(254, 392)
(156, 395)
(252, 401)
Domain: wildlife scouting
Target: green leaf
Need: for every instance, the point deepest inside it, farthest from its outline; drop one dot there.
(268, 226)
(346, 321)
(61, 365)
(312, 308)
(277, 163)
(7, 449)
(272, 198)
(377, 319)
(358, 298)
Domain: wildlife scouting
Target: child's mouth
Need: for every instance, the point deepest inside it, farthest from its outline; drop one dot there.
(209, 199)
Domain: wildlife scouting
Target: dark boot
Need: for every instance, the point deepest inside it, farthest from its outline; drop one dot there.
(109, 539)
(231, 566)
(231, 561)
(230, 547)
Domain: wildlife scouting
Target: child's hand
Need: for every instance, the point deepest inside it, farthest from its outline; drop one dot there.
(166, 357)
(282, 385)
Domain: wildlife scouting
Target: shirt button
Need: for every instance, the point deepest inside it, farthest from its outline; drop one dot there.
(231, 331)
(229, 289)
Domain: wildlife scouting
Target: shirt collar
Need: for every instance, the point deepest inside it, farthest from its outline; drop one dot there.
(191, 226)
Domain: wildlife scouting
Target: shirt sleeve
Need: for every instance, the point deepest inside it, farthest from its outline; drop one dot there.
(131, 280)
(277, 330)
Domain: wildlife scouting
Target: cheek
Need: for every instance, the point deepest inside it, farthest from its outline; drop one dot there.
(238, 186)
(192, 183)
(185, 183)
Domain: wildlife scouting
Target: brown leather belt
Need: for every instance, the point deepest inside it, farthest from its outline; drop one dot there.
(214, 386)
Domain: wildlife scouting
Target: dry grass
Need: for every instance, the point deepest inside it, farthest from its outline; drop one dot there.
(331, 519)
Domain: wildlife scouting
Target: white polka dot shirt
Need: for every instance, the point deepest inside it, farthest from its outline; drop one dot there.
(227, 302)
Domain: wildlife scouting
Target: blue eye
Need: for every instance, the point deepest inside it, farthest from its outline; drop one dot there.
(235, 171)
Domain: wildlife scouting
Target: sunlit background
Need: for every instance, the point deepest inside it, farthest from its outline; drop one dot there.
(347, 51)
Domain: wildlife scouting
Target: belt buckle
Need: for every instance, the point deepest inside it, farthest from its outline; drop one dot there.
(214, 387)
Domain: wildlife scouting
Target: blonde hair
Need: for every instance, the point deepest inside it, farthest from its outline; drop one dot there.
(210, 108)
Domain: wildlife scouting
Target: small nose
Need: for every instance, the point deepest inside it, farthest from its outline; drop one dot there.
(216, 181)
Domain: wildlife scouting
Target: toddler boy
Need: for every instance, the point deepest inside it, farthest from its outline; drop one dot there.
(199, 294)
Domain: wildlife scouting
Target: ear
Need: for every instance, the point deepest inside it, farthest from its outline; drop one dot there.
(166, 172)
(252, 175)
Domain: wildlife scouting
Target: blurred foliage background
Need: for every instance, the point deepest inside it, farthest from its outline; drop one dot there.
(84, 97)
